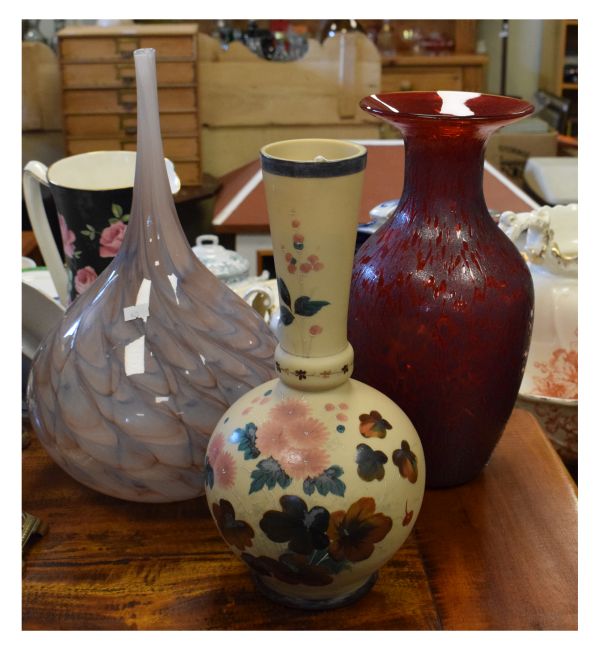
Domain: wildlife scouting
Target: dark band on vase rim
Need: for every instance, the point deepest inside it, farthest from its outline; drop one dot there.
(313, 169)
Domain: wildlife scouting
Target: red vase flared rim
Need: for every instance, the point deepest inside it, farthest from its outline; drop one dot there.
(446, 105)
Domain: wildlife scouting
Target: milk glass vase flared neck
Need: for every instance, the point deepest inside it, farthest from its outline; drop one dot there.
(314, 207)
(314, 479)
(441, 301)
(124, 393)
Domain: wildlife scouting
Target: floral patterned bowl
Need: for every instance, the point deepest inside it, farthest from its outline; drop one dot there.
(548, 239)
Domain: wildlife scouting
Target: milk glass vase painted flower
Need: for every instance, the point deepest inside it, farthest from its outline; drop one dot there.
(314, 479)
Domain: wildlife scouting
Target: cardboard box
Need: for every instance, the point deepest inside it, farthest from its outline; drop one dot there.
(508, 151)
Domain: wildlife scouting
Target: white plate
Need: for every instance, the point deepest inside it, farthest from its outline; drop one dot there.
(39, 315)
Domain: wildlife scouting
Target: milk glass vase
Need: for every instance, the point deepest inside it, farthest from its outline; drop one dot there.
(314, 479)
(125, 392)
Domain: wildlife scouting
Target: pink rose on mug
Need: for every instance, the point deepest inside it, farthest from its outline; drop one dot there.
(67, 236)
(84, 278)
(111, 239)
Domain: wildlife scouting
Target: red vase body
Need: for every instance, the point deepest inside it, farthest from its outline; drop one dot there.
(441, 304)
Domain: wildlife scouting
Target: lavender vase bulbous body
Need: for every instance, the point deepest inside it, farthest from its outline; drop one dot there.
(125, 392)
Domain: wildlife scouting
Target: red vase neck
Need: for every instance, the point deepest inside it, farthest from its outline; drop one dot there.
(443, 170)
(445, 133)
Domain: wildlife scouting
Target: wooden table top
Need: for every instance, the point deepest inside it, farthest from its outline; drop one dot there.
(497, 553)
(384, 179)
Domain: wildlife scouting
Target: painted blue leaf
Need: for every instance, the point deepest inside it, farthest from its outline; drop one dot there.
(304, 306)
(245, 439)
(268, 472)
(209, 474)
(326, 483)
(258, 483)
(284, 293)
(287, 318)
(308, 486)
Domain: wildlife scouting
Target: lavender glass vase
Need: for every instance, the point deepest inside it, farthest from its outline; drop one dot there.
(125, 392)
(441, 303)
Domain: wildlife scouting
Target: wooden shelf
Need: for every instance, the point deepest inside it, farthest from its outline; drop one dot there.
(434, 60)
(433, 72)
(164, 29)
(559, 45)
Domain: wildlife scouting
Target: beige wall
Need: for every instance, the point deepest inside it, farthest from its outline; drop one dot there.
(524, 52)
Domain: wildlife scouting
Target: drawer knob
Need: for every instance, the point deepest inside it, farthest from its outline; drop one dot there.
(126, 74)
(126, 47)
(405, 84)
(127, 100)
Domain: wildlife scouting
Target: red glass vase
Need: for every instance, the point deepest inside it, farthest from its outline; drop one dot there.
(441, 305)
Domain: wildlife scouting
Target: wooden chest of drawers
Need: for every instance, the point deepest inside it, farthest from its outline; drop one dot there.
(99, 96)
(443, 72)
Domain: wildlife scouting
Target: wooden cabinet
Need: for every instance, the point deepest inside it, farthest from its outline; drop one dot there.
(443, 72)
(559, 61)
(99, 96)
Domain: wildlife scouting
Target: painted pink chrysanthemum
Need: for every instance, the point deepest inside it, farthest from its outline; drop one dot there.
(224, 470)
(288, 410)
(306, 432)
(271, 438)
(300, 463)
(215, 447)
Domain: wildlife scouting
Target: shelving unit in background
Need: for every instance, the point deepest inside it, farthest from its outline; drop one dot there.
(457, 69)
(559, 51)
(461, 68)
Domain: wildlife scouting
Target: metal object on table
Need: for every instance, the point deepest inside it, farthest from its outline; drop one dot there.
(31, 525)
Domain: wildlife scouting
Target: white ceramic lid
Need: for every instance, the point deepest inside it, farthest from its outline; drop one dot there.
(227, 265)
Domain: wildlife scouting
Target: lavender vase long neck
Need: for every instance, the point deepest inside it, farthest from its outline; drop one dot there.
(155, 223)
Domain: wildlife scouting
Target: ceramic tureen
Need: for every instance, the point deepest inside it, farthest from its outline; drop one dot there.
(548, 239)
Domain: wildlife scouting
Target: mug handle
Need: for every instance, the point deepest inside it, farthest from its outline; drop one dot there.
(34, 174)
